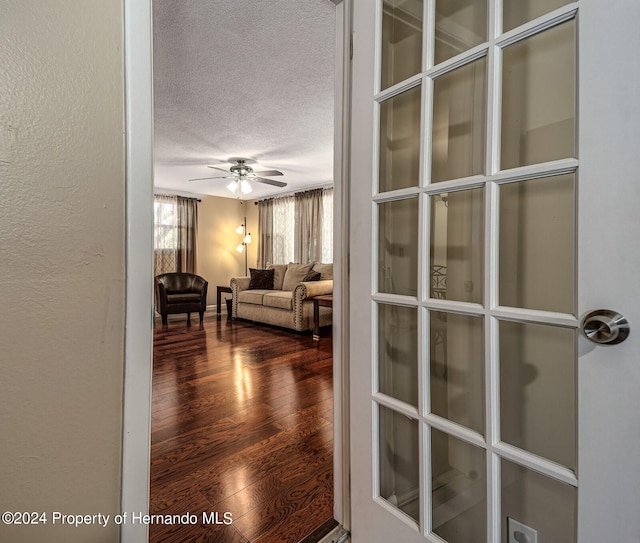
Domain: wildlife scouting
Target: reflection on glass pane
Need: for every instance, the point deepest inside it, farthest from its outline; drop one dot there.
(398, 352)
(460, 25)
(457, 246)
(538, 98)
(457, 375)
(401, 40)
(400, 141)
(538, 390)
(398, 247)
(459, 113)
(459, 494)
(517, 12)
(537, 244)
(544, 504)
(399, 462)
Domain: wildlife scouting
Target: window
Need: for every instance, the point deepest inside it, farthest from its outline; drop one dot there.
(297, 228)
(166, 225)
(165, 234)
(175, 234)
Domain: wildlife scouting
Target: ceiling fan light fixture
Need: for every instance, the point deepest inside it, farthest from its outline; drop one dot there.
(233, 186)
(245, 187)
(243, 176)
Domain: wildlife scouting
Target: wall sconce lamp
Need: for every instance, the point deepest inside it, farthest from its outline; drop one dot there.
(246, 239)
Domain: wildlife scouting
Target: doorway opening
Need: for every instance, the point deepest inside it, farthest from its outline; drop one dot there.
(337, 348)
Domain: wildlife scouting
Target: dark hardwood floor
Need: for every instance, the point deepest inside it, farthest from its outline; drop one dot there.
(242, 423)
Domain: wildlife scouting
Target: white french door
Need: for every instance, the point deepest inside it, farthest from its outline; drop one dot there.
(495, 189)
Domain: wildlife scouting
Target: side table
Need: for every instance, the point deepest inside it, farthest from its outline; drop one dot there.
(219, 290)
(324, 300)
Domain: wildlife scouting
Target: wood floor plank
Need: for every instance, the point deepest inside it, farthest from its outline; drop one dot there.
(275, 514)
(277, 481)
(241, 423)
(253, 463)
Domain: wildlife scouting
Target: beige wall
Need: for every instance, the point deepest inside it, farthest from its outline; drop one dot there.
(62, 245)
(218, 260)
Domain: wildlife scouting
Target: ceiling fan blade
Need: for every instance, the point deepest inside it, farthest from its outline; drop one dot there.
(219, 169)
(217, 177)
(269, 182)
(269, 172)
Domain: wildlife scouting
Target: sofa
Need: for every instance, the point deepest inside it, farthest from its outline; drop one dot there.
(180, 293)
(282, 295)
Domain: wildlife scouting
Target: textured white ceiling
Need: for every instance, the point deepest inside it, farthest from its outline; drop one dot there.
(243, 78)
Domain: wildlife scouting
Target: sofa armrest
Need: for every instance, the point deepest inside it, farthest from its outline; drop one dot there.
(306, 291)
(238, 284)
(309, 289)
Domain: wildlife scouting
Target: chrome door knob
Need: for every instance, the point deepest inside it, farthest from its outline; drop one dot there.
(605, 327)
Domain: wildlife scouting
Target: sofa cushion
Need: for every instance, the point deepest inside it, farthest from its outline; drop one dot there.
(312, 276)
(252, 296)
(295, 274)
(184, 297)
(281, 299)
(326, 270)
(261, 279)
(278, 274)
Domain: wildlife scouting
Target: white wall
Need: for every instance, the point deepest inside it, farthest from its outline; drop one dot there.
(62, 245)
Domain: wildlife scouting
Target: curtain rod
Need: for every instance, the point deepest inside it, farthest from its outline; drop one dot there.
(177, 196)
(287, 194)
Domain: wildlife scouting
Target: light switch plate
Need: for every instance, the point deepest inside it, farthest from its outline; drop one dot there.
(520, 533)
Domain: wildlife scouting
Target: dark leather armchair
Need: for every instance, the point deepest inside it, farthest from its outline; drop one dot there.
(180, 293)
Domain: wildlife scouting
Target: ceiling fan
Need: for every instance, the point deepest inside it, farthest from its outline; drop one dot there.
(241, 174)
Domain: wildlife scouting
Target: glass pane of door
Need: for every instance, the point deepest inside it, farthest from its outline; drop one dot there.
(537, 244)
(457, 368)
(399, 461)
(460, 25)
(538, 390)
(459, 113)
(456, 246)
(398, 352)
(538, 98)
(401, 40)
(538, 501)
(398, 247)
(399, 165)
(458, 489)
(517, 12)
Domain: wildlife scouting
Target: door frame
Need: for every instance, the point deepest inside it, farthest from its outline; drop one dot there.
(138, 347)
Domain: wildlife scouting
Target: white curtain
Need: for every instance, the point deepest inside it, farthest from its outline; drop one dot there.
(283, 230)
(165, 234)
(327, 226)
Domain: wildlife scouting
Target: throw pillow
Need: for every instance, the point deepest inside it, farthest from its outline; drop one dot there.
(295, 274)
(326, 270)
(261, 279)
(312, 276)
(278, 276)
